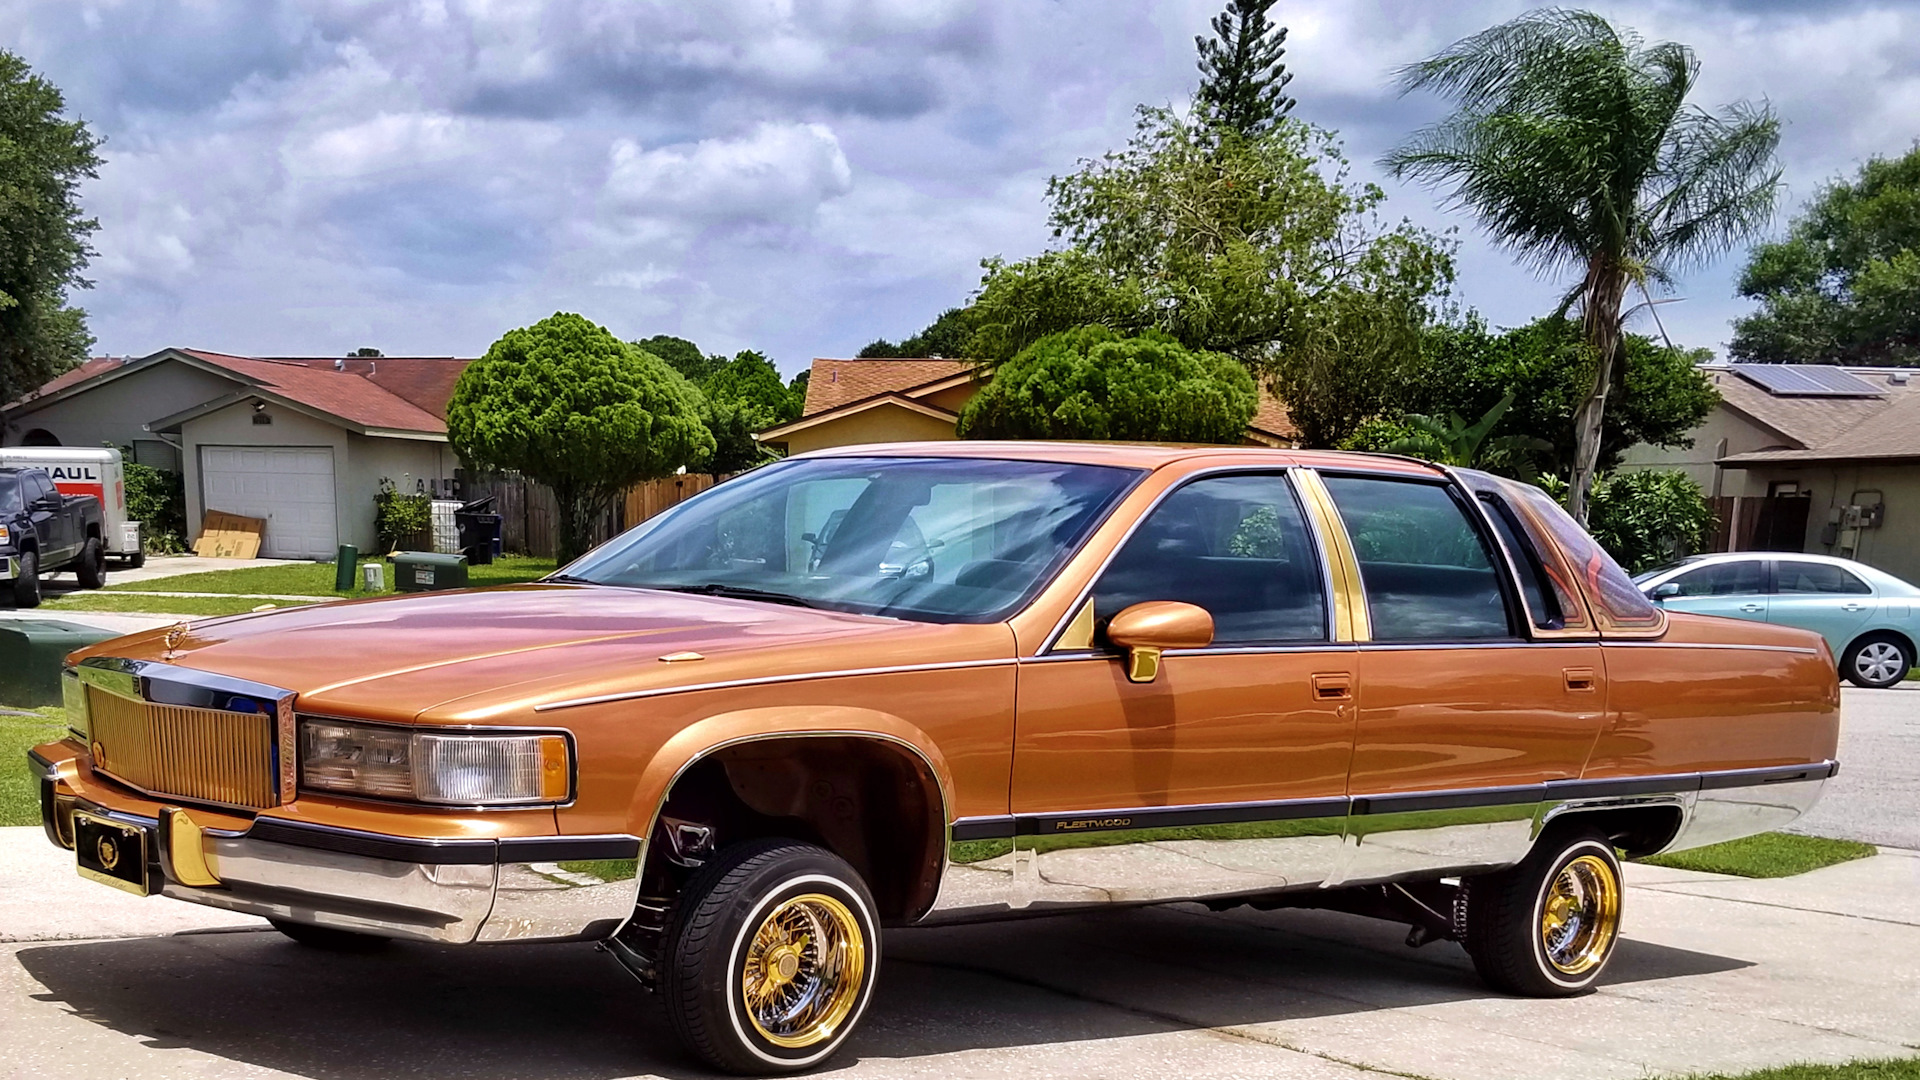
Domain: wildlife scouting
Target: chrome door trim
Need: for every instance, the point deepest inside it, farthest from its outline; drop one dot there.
(771, 680)
(1616, 643)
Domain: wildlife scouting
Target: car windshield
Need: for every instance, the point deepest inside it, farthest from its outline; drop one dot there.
(929, 539)
(9, 495)
(1645, 576)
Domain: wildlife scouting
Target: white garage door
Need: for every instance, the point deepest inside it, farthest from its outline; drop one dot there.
(290, 486)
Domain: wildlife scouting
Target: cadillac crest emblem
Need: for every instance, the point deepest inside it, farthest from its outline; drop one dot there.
(174, 636)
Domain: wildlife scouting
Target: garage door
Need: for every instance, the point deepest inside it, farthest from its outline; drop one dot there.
(290, 486)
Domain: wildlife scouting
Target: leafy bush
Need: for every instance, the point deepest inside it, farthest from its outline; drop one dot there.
(157, 498)
(1646, 517)
(399, 518)
(1091, 383)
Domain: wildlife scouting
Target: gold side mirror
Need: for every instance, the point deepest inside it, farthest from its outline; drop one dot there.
(1145, 630)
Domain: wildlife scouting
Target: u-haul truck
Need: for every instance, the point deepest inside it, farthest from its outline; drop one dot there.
(77, 470)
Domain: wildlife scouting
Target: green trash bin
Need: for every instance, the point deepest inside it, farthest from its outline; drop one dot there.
(425, 571)
(32, 652)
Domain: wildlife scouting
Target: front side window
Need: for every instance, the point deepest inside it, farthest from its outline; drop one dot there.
(1812, 577)
(1235, 545)
(1736, 578)
(929, 539)
(1427, 571)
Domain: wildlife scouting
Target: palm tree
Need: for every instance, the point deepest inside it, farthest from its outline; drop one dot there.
(1573, 142)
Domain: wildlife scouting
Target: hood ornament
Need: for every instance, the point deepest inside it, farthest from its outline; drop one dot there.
(175, 634)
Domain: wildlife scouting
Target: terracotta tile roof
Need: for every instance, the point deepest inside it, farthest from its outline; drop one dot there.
(834, 383)
(1828, 428)
(351, 397)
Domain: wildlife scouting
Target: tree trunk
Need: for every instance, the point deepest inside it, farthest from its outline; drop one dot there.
(1605, 288)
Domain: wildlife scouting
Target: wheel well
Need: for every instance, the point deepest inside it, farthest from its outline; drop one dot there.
(873, 803)
(1636, 830)
(1904, 641)
(93, 532)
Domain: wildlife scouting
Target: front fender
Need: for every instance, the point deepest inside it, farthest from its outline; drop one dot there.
(722, 730)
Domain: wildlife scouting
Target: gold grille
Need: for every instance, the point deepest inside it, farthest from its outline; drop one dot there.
(205, 755)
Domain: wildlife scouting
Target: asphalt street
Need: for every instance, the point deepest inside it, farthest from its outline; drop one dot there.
(1876, 796)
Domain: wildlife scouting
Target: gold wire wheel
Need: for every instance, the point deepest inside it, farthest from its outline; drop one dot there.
(1581, 915)
(803, 970)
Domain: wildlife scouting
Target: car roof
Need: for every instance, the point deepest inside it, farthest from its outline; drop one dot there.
(1872, 573)
(1132, 455)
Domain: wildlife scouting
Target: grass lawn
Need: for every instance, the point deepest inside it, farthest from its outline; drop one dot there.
(1769, 855)
(19, 793)
(162, 605)
(316, 579)
(1884, 1069)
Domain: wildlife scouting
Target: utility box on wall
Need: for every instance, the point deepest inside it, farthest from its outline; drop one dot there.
(426, 571)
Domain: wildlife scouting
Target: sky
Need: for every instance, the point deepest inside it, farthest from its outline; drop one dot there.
(419, 176)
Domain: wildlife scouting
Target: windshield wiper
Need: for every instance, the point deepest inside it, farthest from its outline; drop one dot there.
(569, 579)
(738, 592)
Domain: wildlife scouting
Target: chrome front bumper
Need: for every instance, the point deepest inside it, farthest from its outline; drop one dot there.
(455, 891)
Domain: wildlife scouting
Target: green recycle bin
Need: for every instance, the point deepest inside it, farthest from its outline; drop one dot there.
(425, 571)
(32, 652)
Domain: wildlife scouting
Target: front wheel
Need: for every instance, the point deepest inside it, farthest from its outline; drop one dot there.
(1547, 927)
(1877, 662)
(26, 587)
(771, 955)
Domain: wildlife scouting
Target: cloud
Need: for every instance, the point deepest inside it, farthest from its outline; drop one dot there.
(297, 176)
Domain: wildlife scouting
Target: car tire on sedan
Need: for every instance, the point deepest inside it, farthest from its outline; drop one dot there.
(1877, 661)
(771, 954)
(1547, 927)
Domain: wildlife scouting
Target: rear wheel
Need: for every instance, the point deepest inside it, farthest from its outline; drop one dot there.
(329, 938)
(26, 587)
(771, 956)
(1547, 927)
(136, 560)
(1877, 662)
(91, 566)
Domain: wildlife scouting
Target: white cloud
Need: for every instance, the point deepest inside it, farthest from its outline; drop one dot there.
(779, 173)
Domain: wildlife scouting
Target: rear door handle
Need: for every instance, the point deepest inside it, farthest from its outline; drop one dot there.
(1850, 606)
(1332, 686)
(1749, 607)
(1580, 680)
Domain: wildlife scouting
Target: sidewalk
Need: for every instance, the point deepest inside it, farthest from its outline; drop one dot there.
(1716, 974)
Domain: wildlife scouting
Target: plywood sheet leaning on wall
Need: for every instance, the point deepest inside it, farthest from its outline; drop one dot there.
(229, 536)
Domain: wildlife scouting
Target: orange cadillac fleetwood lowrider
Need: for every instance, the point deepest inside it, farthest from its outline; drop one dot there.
(896, 685)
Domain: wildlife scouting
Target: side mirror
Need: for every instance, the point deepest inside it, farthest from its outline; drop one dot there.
(1665, 590)
(1144, 630)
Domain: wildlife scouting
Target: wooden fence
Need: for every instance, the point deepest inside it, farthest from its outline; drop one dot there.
(530, 516)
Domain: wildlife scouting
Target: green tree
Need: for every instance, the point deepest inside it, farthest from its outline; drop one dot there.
(1573, 142)
(1645, 517)
(1659, 394)
(573, 407)
(751, 380)
(683, 356)
(1241, 76)
(1844, 286)
(1453, 441)
(43, 237)
(1257, 248)
(949, 336)
(1091, 383)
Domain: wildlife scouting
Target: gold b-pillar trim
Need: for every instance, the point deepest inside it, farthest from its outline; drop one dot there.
(1350, 621)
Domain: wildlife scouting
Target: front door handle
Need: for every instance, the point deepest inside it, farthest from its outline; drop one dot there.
(1580, 680)
(1332, 686)
(1749, 607)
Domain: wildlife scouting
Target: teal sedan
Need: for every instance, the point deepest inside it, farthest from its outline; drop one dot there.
(1866, 615)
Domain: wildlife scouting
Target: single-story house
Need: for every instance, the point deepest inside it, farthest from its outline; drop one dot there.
(892, 400)
(302, 442)
(1810, 457)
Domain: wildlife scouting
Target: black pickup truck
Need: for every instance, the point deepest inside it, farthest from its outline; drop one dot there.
(43, 531)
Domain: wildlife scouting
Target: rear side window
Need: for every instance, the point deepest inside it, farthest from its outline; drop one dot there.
(1617, 603)
(1235, 545)
(1740, 577)
(1812, 577)
(1536, 588)
(1427, 571)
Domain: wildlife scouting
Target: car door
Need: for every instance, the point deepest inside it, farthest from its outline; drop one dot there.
(1225, 774)
(50, 521)
(1463, 717)
(1735, 588)
(1821, 597)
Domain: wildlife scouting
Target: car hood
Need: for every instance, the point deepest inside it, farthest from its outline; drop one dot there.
(494, 655)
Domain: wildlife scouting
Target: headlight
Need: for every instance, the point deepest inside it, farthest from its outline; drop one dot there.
(452, 768)
(5, 536)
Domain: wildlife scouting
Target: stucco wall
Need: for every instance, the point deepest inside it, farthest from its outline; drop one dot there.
(358, 462)
(1724, 432)
(116, 411)
(1894, 546)
(885, 423)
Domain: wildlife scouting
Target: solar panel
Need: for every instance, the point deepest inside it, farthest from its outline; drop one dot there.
(1806, 380)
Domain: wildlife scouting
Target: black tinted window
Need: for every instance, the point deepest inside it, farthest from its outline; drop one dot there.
(35, 486)
(1235, 545)
(1811, 577)
(1535, 589)
(1737, 578)
(1428, 574)
(9, 495)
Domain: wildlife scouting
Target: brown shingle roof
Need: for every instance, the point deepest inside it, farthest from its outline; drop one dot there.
(833, 383)
(351, 397)
(1827, 428)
